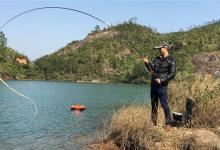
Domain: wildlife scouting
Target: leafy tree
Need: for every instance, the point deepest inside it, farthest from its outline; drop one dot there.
(133, 20)
(97, 28)
(3, 41)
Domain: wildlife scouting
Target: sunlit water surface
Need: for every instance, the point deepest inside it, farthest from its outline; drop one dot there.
(56, 127)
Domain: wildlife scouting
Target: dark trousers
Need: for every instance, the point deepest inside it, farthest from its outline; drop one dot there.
(160, 92)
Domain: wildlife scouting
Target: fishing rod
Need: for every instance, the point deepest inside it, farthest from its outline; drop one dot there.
(63, 8)
(40, 8)
(70, 9)
(141, 55)
(132, 45)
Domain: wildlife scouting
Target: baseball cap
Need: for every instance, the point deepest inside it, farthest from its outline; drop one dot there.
(163, 44)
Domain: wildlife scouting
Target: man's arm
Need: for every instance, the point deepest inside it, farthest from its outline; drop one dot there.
(148, 64)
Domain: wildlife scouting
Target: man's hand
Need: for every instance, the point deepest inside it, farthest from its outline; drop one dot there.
(145, 60)
(158, 81)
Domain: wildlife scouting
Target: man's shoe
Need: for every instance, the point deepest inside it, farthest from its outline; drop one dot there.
(168, 128)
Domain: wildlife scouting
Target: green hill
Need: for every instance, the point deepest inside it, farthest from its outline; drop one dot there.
(11, 68)
(105, 55)
(102, 56)
(14, 65)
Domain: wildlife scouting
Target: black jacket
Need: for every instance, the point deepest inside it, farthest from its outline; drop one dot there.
(164, 69)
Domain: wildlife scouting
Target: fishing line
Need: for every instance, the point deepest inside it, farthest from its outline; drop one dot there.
(20, 94)
(64, 8)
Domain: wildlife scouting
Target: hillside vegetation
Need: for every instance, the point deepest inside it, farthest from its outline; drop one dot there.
(10, 67)
(106, 56)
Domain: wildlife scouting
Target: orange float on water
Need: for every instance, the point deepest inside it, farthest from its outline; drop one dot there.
(78, 107)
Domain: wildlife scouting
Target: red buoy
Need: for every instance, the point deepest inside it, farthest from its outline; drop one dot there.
(78, 107)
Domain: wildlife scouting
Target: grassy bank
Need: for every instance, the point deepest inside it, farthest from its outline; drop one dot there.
(131, 128)
(205, 91)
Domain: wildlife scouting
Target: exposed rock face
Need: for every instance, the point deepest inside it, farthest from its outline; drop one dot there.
(202, 138)
(207, 63)
(191, 139)
(177, 139)
(88, 39)
(21, 60)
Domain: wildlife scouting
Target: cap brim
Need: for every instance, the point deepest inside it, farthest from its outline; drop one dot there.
(158, 47)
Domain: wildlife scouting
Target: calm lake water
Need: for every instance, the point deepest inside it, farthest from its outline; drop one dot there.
(56, 127)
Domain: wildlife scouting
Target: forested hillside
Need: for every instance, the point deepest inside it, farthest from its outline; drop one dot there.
(14, 65)
(106, 56)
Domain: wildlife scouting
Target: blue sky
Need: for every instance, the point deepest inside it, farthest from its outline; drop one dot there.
(43, 32)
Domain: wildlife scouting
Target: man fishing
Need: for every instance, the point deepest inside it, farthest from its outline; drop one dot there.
(163, 69)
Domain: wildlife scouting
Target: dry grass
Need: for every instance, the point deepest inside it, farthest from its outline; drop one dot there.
(205, 90)
(132, 129)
